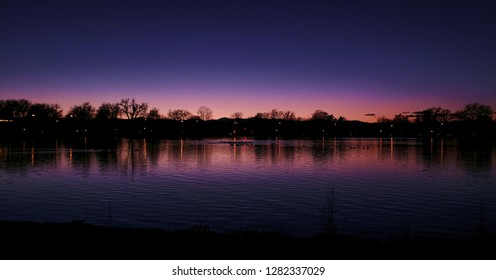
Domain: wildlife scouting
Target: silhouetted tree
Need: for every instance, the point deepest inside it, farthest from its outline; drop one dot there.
(321, 115)
(45, 111)
(400, 125)
(131, 109)
(14, 109)
(5, 112)
(275, 114)
(237, 115)
(400, 118)
(289, 115)
(22, 108)
(384, 119)
(204, 113)
(475, 112)
(180, 115)
(84, 111)
(444, 115)
(108, 111)
(262, 115)
(154, 114)
(433, 115)
(425, 116)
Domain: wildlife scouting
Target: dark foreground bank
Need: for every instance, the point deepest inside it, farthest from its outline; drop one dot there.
(78, 240)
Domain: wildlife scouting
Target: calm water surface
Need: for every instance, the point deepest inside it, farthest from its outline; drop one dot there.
(381, 186)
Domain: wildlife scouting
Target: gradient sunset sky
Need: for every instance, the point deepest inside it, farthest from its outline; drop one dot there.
(349, 58)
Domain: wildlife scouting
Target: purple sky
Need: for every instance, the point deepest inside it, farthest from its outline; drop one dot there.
(349, 58)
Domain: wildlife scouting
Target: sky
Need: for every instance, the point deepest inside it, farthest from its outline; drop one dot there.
(349, 58)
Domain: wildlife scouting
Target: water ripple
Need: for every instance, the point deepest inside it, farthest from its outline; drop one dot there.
(379, 185)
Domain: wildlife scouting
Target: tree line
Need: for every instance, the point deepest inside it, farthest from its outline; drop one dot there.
(13, 109)
(129, 118)
(471, 112)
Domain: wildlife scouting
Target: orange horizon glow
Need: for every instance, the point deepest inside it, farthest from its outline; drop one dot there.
(352, 106)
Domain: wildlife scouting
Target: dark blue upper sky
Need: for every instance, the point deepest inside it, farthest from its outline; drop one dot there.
(346, 57)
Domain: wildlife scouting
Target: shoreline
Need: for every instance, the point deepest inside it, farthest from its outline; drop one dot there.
(82, 241)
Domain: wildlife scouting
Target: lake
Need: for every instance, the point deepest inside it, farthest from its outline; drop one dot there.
(381, 187)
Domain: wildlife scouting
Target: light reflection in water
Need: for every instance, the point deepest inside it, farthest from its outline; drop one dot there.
(391, 146)
(181, 149)
(32, 155)
(234, 149)
(144, 149)
(442, 149)
(244, 182)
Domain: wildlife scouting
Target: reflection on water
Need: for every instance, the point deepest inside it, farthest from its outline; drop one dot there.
(381, 185)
